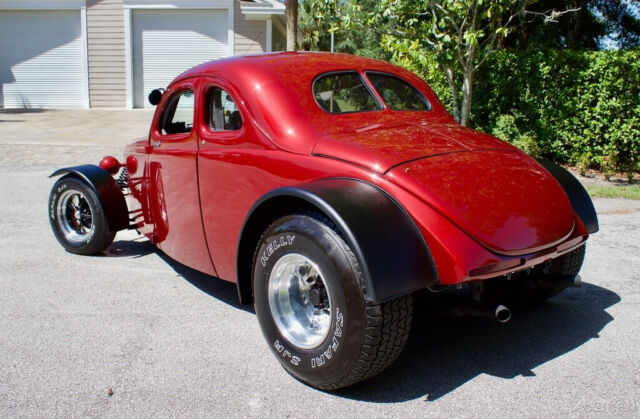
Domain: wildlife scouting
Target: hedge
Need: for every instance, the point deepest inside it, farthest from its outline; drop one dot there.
(577, 107)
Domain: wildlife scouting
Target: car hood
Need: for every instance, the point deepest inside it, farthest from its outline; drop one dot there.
(503, 199)
(382, 147)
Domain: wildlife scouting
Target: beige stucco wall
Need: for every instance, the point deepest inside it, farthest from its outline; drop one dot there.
(250, 35)
(105, 44)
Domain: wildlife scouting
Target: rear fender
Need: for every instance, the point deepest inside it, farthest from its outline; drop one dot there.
(393, 256)
(578, 196)
(107, 190)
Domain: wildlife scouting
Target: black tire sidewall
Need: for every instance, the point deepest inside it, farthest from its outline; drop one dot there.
(101, 237)
(328, 363)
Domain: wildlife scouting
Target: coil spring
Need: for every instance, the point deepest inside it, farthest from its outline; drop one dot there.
(123, 179)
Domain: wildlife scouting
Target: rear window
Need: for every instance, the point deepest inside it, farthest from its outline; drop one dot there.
(344, 93)
(397, 93)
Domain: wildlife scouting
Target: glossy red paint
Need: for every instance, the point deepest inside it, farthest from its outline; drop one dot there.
(511, 193)
(110, 164)
(480, 204)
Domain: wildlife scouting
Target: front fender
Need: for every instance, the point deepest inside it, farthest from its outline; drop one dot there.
(578, 196)
(107, 190)
(393, 256)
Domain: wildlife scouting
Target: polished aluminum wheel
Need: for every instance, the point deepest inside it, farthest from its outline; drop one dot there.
(300, 301)
(74, 216)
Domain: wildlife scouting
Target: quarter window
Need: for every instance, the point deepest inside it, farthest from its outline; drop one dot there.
(178, 117)
(223, 112)
(397, 93)
(343, 93)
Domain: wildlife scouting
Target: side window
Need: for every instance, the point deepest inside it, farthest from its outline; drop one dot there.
(223, 112)
(398, 94)
(178, 117)
(343, 93)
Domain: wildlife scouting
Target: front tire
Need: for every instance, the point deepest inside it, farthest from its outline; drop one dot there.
(77, 217)
(311, 307)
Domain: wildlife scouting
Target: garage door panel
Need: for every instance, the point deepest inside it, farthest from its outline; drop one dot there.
(41, 59)
(168, 42)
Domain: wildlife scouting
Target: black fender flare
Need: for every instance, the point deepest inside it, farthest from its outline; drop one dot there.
(392, 253)
(107, 190)
(578, 196)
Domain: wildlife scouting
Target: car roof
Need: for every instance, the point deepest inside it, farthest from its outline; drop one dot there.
(299, 65)
(276, 89)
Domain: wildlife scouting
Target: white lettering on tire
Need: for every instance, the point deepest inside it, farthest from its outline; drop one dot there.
(275, 245)
(331, 350)
(326, 355)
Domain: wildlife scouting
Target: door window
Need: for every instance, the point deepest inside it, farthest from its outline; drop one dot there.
(178, 118)
(223, 112)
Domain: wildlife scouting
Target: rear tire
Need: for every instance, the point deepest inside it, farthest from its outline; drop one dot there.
(77, 217)
(311, 307)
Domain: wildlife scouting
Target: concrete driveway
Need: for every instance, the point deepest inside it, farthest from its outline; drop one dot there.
(133, 334)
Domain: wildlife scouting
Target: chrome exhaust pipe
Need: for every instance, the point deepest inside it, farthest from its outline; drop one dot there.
(502, 314)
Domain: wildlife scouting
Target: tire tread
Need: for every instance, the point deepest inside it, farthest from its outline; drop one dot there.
(386, 331)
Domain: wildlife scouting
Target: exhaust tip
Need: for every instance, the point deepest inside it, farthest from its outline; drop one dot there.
(577, 281)
(502, 314)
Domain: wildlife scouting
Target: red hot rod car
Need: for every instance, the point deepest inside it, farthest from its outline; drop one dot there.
(331, 188)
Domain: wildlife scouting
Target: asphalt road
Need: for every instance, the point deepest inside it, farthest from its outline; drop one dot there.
(134, 334)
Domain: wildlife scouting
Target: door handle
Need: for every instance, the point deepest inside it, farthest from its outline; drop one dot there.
(156, 144)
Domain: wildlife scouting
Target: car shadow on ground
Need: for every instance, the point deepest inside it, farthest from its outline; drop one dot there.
(130, 248)
(219, 289)
(224, 291)
(444, 353)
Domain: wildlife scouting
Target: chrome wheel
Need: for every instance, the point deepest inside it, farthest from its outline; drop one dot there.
(74, 216)
(300, 300)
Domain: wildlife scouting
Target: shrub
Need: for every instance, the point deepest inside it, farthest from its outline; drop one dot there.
(578, 107)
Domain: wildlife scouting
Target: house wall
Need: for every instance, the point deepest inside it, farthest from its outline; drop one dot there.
(279, 34)
(105, 42)
(250, 35)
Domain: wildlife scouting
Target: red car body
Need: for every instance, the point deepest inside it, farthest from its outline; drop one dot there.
(483, 207)
(330, 214)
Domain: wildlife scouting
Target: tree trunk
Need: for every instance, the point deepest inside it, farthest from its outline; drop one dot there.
(467, 94)
(292, 24)
(454, 93)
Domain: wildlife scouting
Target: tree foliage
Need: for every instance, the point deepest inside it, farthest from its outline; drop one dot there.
(319, 18)
(580, 107)
(458, 34)
(588, 27)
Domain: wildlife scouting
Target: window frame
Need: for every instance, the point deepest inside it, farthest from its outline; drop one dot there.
(365, 82)
(208, 137)
(208, 88)
(379, 94)
(172, 100)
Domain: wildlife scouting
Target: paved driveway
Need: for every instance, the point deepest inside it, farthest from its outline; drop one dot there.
(134, 334)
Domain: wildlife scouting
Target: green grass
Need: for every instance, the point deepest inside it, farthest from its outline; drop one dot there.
(613, 191)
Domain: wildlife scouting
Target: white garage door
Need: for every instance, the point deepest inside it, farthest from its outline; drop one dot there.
(42, 61)
(169, 42)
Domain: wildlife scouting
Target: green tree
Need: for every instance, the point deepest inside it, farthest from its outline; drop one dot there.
(459, 34)
(319, 18)
(591, 22)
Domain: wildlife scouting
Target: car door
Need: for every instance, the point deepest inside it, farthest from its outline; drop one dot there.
(226, 169)
(174, 201)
